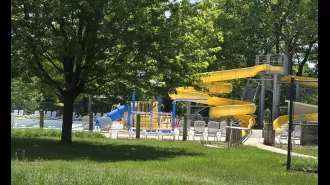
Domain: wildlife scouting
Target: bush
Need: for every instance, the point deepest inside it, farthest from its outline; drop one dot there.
(32, 132)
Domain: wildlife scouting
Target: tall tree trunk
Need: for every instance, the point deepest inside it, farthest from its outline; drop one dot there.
(277, 43)
(301, 65)
(69, 98)
(85, 105)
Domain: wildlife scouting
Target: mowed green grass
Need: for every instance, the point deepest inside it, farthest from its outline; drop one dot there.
(102, 161)
(306, 150)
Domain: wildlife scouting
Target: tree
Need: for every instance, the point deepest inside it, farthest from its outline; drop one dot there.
(79, 47)
(25, 96)
(298, 22)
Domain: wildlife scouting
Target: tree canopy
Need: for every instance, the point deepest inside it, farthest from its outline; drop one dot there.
(79, 47)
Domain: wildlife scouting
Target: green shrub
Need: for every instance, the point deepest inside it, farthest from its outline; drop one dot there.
(52, 133)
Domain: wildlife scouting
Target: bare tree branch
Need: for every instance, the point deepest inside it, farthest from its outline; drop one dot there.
(47, 58)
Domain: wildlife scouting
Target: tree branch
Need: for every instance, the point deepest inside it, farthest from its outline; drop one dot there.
(81, 41)
(105, 82)
(47, 58)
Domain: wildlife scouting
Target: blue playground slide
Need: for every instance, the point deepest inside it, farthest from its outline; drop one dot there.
(117, 113)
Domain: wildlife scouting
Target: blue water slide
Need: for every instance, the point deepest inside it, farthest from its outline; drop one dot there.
(117, 113)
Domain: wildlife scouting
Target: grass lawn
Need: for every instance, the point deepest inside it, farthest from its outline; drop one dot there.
(299, 149)
(103, 161)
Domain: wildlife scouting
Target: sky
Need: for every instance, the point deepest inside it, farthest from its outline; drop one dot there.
(311, 65)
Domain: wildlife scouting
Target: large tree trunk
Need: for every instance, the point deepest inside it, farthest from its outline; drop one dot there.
(277, 45)
(69, 99)
(85, 105)
(301, 65)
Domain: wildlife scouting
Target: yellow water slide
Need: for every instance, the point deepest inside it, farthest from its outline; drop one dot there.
(222, 106)
(304, 83)
(296, 117)
(311, 116)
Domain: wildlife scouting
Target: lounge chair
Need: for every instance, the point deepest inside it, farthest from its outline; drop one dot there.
(105, 125)
(284, 133)
(15, 113)
(98, 115)
(48, 114)
(125, 132)
(223, 129)
(12, 122)
(85, 122)
(36, 113)
(199, 129)
(53, 115)
(213, 130)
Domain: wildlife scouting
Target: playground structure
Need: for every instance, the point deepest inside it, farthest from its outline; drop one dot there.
(151, 117)
(271, 72)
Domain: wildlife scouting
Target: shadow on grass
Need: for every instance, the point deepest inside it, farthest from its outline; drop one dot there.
(46, 149)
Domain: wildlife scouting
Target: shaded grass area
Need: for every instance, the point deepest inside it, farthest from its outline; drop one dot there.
(103, 161)
(50, 149)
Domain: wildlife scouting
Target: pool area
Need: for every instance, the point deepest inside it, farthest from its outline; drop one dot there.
(54, 124)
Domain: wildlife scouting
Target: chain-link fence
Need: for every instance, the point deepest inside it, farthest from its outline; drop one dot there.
(299, 135)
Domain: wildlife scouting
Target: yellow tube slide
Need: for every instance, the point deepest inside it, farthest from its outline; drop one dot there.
(222, 106)
(311, 84)
(302, 117)
(239, 73)
(218, 87)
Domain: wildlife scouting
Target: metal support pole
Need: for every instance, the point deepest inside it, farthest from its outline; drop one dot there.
(151, 114)
(262, 104)
(130, 121)
(173, 114)
(138, 121)
(129, 115)
(90, 113)
(275, 108)
(288, 165)
(90, 121)
(41, 114)
(188, 111)
(185, 121)
(297, 91)
(159, 100)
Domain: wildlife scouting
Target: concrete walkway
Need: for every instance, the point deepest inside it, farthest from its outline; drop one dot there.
(254, 140)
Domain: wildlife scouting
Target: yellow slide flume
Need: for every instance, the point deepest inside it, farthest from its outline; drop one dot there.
(311, 84)
(222, 106)
(239, 73)
(302, 117)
